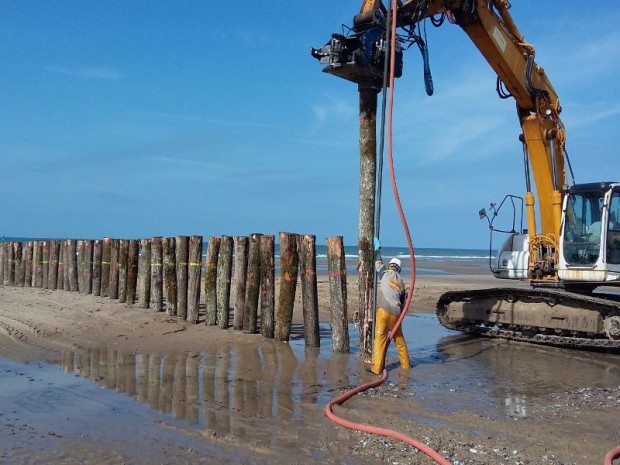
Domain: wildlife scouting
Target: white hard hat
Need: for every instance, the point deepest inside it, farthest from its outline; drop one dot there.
(395, 261)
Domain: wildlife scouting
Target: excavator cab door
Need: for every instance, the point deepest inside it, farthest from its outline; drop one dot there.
(590, 242)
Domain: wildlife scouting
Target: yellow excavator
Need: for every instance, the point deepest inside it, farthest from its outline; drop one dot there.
(571, 247)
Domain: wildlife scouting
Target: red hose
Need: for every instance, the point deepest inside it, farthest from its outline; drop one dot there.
(384, 375)
(611, 455)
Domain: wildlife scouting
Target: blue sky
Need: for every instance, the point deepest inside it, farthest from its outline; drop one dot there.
(148, 118)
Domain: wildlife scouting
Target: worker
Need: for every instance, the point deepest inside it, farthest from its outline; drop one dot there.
(391, 296)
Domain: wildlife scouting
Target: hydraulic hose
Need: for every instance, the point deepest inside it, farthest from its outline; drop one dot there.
(612, 455)
(384, 375)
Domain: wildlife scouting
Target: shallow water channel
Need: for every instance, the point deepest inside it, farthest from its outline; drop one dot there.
(104, 406)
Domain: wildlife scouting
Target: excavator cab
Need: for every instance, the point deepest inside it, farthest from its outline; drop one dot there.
(590, 241)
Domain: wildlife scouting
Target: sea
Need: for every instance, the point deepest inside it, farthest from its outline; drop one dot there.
(427, 259)
(429, 256)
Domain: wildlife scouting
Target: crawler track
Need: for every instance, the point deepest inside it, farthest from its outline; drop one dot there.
(540, 316)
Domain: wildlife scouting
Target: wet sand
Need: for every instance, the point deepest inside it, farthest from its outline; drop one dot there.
(85, 379)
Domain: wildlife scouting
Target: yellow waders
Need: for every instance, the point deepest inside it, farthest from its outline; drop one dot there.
(385, 322)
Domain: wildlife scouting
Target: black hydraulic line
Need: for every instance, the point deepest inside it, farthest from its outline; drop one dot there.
(570, 167)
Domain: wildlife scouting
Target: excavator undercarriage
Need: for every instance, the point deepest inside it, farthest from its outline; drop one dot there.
(542, 316)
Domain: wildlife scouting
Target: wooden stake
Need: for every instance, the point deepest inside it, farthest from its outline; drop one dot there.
(338, 293)
(123, 260)
(366, 232)
(241, 266)
(113, 283)
(20, 271)
(252, 286)
(182, 252)
(46, 264)
(52, 279)
(3, 263)
(132, 270)
(28, 267)
(224, 275)
(157, 275)
(193, 278)
(97, 268)
(64, 250)
(72, 264)
(267, 286)
(106, 254)
(307, 265)
(289, 259)
(60, 281)
(213, 249)
(81, 266)
(170, 275)
(144, 274)
(37, 265)
(88, 266)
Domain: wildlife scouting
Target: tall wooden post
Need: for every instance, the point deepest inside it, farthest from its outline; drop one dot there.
(97, 257)
(289, 260)
(80, 251)
(213, 249)
(267, 286)
(46, 264)
(144, 274)
(106, 253)
(88, 266)
(2, 262)
(252, 286)
(309, 292)
(37, 264)
(224, 275)
(241, 266)
(338, 293)
(182, 252)
(52, 279)
(132, 270)
(113, 283)
(72, 264)
(170, 275)
(20, 271)
(194, 271)
(8, 257)
(123, 256)
(157, 275)
(366, 232)
(60, 281)
(64, 250)
(28, 269)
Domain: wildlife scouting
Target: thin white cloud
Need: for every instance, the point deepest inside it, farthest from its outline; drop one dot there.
(334, 109)
(88, 72)
(594, 114)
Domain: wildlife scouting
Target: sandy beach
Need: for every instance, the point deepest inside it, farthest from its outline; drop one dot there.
(183, 393)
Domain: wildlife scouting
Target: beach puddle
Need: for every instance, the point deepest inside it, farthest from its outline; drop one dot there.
(265, 397)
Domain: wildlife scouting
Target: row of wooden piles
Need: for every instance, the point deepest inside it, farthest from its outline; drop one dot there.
(168, 273)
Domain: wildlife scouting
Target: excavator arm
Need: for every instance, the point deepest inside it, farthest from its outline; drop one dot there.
(578, 251)
(360, 57)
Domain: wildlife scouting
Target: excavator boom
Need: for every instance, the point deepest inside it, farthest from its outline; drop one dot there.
(559, 248)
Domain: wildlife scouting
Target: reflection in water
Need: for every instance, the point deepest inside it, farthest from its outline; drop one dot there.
(237, 389)
(516, 376)
(515, 405)
(225, 390)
